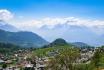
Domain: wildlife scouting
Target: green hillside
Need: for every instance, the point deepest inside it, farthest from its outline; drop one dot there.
(7, 48)
(55, 46)
(23, 38)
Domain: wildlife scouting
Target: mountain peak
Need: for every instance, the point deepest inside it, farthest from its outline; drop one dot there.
(25, 39)
(59, 41)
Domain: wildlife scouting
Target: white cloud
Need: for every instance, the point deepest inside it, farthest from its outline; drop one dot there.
(5, 15)
(51, 22)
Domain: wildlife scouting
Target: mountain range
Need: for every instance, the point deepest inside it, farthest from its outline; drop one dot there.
(10, 34)
(22, 38)
(80, 44)
(59, 42)
(71, 33)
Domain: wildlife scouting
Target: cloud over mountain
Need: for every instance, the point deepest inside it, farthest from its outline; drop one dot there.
(5, 15)
(69, 28)
(51, 22)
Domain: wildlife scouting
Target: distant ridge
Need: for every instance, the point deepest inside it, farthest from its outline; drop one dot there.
(7, 27)
(22, 38)
(80, 44)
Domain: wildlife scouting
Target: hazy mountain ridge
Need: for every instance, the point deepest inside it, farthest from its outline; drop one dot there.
(80, 44)
(23, 38)
(7, 27)
(71, 33)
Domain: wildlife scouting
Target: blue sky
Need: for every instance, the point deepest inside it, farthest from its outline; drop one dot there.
(55, 8)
